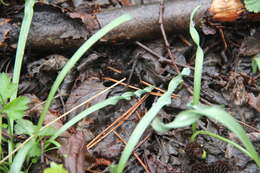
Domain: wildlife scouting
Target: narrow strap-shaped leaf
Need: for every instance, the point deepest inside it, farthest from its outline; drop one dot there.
(256, 63)
(180, 121)
(198, 61)
(219, 114)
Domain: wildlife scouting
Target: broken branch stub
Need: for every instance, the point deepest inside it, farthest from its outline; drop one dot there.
(50, 30)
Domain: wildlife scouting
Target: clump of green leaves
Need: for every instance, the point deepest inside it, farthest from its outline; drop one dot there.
(189, 117)
(26, 127)
(14, 110)
(252, 5)
(11, 110)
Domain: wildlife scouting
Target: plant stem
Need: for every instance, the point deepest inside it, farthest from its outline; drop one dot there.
(194, 127)
(1, 126)
(26, 23)
(28, 14)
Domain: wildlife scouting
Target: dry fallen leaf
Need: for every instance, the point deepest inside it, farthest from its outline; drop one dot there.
(226, 10)
(74, 153)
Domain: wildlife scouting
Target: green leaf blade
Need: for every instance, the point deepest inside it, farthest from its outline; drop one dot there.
(198, 61)
(183, 119)
(252, 5)
(20, 157)
(35, 150)
(16, 108)
(7, 88)
(100, 105)
(24, 127)
(73, 60)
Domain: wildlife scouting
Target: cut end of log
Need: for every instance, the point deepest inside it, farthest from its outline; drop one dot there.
(226, 10)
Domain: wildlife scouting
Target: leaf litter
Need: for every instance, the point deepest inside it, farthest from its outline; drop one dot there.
(227, 80)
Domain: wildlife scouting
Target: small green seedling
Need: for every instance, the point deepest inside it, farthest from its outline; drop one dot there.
(11, 110)
(146, 121)
(256, 63)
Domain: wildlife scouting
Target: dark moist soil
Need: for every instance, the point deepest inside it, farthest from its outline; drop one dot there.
(227, 80)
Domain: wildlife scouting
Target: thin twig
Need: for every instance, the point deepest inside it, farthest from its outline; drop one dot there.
(161, 58)
(173, 58)
(185, 41)
(223, 38)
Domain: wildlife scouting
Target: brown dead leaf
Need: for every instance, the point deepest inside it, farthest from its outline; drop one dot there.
(36, 108)
(84, 91)
(74, 153)
(5, 28)
(236, 89)
(88, 19)
(226, 11)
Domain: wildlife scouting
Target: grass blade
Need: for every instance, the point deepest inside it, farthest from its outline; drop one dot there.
(256, 63)
(199, 59)
(180, 121)
(219, 114)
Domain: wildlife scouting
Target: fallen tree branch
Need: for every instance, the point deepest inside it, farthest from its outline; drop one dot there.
(53, 29)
